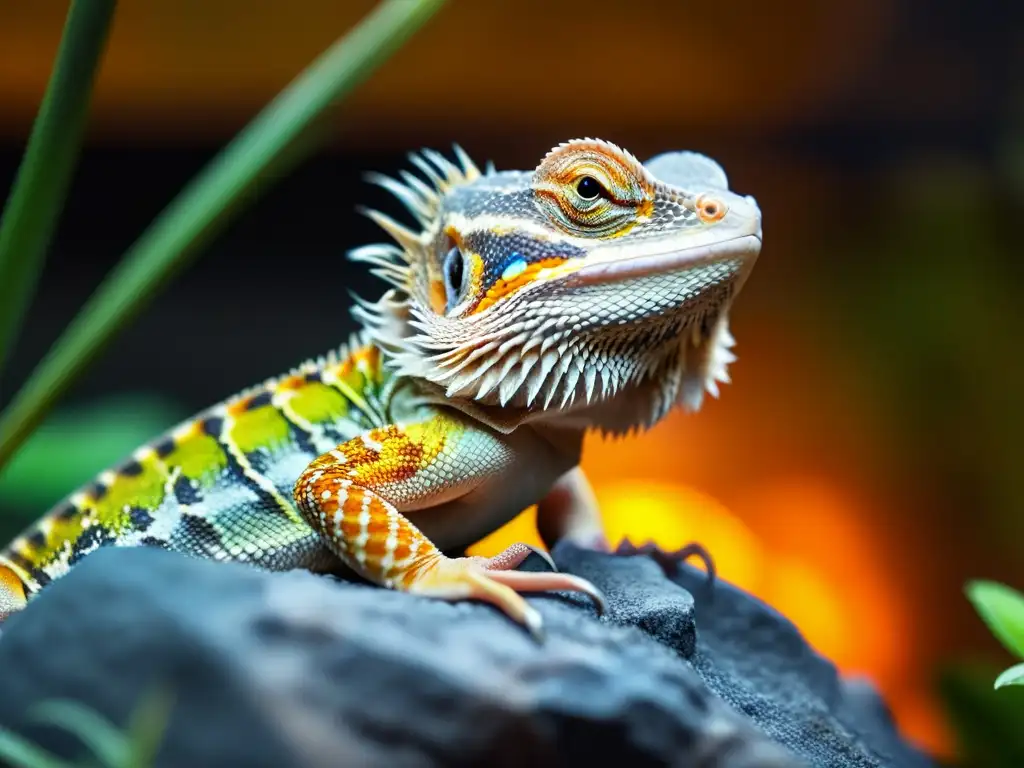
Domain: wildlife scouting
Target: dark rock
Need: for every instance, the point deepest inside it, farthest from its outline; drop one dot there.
(757, 661)
(302, 670)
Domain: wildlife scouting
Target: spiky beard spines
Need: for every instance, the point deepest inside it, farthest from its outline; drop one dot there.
(407, 266)
(520, 358)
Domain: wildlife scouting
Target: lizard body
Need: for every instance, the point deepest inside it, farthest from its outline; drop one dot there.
(527, 309)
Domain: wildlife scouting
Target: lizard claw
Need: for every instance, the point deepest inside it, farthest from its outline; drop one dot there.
(524, 581)
(494, 580)
(670, 561)
(543, 555)
(501, 569)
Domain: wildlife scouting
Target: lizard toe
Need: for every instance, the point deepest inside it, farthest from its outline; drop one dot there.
(670, 560)
(466, 578)
(475, 578)
(526, 581)
(513, 557)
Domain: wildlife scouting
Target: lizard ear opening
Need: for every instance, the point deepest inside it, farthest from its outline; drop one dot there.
(454, 270)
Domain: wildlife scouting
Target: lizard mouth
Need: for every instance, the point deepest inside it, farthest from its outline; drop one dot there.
(743, 247)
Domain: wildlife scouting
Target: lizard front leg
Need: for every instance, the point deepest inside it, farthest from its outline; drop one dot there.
(569, 511)
(355, 494)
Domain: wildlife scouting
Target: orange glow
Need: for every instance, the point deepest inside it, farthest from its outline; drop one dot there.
(814, 604)
(799, 545)
(674, 515)
(811, 520)
(167, 66)
(814, 591)
(523, 528)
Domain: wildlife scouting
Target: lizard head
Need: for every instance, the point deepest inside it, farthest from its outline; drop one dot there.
(594, 287)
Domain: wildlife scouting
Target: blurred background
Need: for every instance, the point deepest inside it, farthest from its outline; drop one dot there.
(866, 460)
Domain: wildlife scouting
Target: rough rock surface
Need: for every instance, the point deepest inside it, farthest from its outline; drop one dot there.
(755, 659)
(293, 669)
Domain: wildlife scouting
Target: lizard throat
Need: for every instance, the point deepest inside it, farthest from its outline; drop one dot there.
(534, 365)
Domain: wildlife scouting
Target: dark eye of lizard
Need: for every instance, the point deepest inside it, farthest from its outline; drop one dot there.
(454, 272)
(589, 188)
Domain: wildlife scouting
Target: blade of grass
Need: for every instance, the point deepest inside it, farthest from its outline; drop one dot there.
(18, 752)
(259, 155)
(37, 196)
(101, 736)
(149, 723)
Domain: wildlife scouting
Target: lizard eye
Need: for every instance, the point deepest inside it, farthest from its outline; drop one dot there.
(589, 188)
(592, 188)
(454, 274)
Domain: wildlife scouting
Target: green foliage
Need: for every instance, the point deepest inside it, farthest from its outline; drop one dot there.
(262, 153)
(1012, 676)
(987, 717)
(1002, 608)
(135, 747)
(986, 722)
(87, 440)
(38, 193)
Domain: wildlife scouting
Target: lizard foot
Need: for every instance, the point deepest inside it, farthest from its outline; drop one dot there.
(494, 580)
(669, 561)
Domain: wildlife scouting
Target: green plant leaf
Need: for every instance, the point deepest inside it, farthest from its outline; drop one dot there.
(96, 732)
(263, 152)
(39, 189)
(986, 722)
(147, 727)
(88, 439)
(1012, 676)
(1002, 608)
(21, 753)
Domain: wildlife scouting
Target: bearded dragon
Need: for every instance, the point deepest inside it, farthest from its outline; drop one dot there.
(524, 310)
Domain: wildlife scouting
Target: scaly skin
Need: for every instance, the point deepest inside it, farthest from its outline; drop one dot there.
(592, 293)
